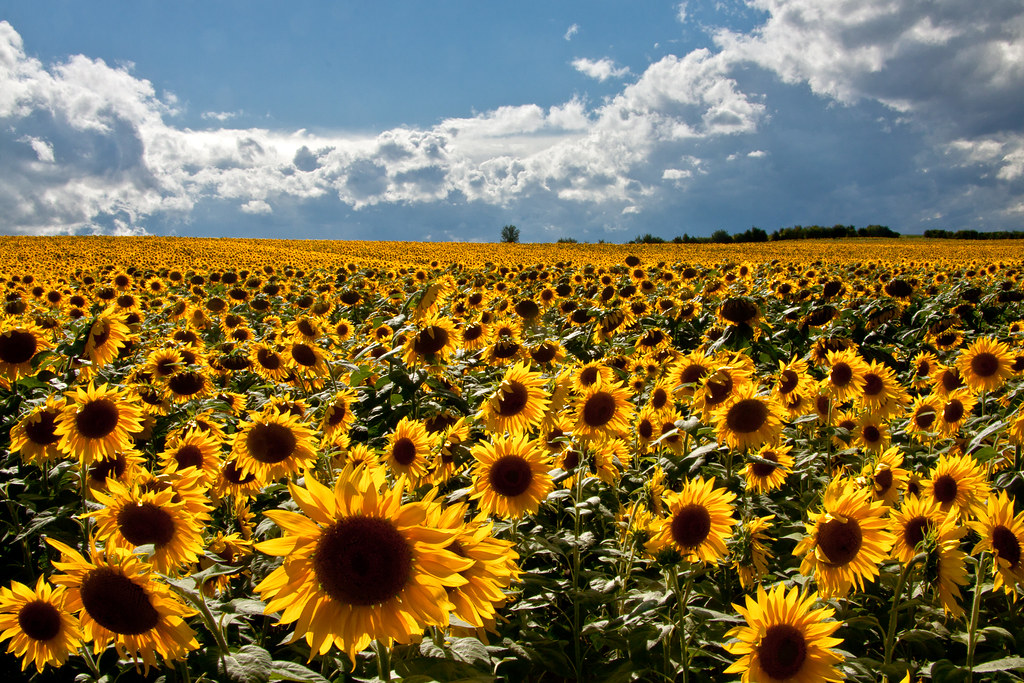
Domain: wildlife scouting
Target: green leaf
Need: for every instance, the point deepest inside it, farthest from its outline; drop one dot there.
(290, 671)
(471, 651)
(251, 664)
(1004, 664)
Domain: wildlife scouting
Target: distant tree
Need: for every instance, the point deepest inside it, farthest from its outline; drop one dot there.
(647, 238)
(510, 234)
(721, 237)
(568, 240)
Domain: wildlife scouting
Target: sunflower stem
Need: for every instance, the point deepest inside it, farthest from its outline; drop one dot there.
(90, 661)
(383, 660)
(576, 626)
(972, 629)
(890, 633)
(682, 598)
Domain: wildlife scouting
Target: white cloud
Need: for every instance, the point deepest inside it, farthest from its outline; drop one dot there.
(571, 32)
(681, 12)
(757, 154)
(220, 116)
(42, 148)
(256, 206)
(601, 69)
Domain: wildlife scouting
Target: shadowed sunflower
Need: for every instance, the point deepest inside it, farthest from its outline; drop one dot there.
(511, 476)
(494, 567)
(97, 422)
(338, 416)
(748, 420)
(19, 344)
(268, 363)
(846, 541)
(957, 483)
(718, 389)
(882, 394)
(785, 639)
(1002, 533)
(603, 410)
(359, 565)
(686, 375)
(518, 404)
(107, 336)
(956, 408)
(793, 380)
(122, 602)
(698, 523)
(189, 383)
(767, 476)
(432, 342)
(985, 365)
(272, 446)
(885, 475)
(408, 450)
(35, 435)
(308, 359)
(923, 420)
(41, 631)
(922, 366)
(750, 550)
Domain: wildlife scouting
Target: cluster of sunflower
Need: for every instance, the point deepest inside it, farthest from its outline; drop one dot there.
(359, 448)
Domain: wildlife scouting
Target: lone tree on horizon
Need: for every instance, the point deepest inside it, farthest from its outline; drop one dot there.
(510, 234)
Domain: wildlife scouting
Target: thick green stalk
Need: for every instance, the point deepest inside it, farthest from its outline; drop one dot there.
(890, 634)
(972, 628)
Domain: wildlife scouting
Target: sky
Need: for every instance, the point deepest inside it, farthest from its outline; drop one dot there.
(444, 121)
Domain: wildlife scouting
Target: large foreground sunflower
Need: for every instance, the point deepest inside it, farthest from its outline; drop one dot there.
(360, 565)
(985, 365)
(846, 541)
(1003, 533)
(41, 631)
(123, 603)
(748, 420)
(785, 639)
(97, 422)
(519, 402)
(272, 446)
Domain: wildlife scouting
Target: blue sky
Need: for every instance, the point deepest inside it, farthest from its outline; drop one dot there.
(445, 121)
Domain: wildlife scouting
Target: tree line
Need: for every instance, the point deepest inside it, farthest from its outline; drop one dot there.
(755, 234)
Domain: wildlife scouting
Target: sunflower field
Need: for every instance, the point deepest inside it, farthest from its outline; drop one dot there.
(254, 461)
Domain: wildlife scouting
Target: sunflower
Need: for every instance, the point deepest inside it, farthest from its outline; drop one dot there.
(661, 399)
(36, 623)
(548, 353)
(511, 476)
(518, 404)
(923, 417)
(784, 639)
(956, 408)
(871, 433)
(885, 475)
(235, 481)
(19, 344)
(946, 380)
(748, 420)
(193, 449)
(268, 363)
(945, 569)
(359, 565)
(122, 602)
(338, 416)
(307, 358)
(602, 410)
(453, 452)
(35, 435)
(698, 523)
(882, 394)
(1003, 534)
(493, 571)
(923, 364)
(591, 374)
(846, 541)
(793, 380)
(719, 388)
(408, 450)
(187, 384)
(272, 446)
(845, 379)
(911, 523)
(107, 335)
(431, 342)
(769, 471)
(750, 550)
(134, 516)
(985, 365)
(97, 422)
(845, 423)
(688, 372)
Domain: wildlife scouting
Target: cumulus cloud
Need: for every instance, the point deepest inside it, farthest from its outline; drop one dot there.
(601, 69)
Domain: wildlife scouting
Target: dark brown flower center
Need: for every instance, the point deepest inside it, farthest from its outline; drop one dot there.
(512, 398)
(883, 480)
(599, 409)
(1007, 545)
(841, 374)
(914, 531)
(839, 541)
(268, 359)
(691, 525)
(571, 460)
(788, 381)
(97, 418)
(871, 434)
(404, 451)
(363, 561)
(528, 309)
(782, 651)
(763, 470)
(234, 474)
(873, 384)
(39, 620)
(304, 355)
(544, 353)
(510, 476)
(953, 411)
(645, 429)
(589, 376)
(145, 523)
(746, 416)
(717, 389)
(189, 455)
(43, 431)
(117, 603)
(925, 417)
(270, 443)
(737, 310)
(17, 346)
(186, 383)
(985, 364)
(951, 380)
(944, 488)
(430, 340)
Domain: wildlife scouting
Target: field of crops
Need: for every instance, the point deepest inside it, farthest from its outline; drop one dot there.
(241, 460)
